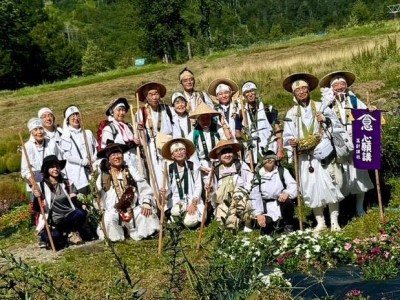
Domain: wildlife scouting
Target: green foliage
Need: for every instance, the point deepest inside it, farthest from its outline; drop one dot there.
(18, 218)
(13, 162)
(3, 167)
(391, 147)
(94, 60)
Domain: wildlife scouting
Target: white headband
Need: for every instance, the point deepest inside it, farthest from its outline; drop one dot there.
(337, 79)
(222, 87)
(119, 105)
(71, 110)
(44, 110)
(299, 83)
(34, 123)
(177, 146)
(248, 86)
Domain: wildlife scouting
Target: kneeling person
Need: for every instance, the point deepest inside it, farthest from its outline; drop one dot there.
(232, 181)
(184, 197)
(275, 196)
(65, 213)
(127, 199)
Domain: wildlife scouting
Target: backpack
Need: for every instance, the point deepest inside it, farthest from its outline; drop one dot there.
(114, 131)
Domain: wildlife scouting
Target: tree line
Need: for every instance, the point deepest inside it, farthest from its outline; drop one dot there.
(45, 41)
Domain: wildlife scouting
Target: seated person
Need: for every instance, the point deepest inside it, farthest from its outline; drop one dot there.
(127, 199)
(184, 182)
(232, 182)
(66, 215)
(274, 199)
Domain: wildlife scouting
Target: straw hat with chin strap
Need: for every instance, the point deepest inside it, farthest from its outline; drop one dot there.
(327, 79)
(222, 144)
(166, 149)
(212, 88)
(311, 81)
(145, 88)
(203, 109)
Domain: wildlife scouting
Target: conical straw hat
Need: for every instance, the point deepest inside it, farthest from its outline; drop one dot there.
(145, 88)
(310, 79)
(224, 144)
(213, 85)
(166, 149)
(203, 109)
(348, 76)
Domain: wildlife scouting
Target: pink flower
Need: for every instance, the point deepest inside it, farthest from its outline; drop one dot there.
(386, 254)
(280, 260)
(358, 251)
(353, 293)
(357, 241)
(347, 246)
(374, 239)
(376, 251)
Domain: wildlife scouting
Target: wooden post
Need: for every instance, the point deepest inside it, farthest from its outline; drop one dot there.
(297, 175)
(161, 205)
(136, 134)
(189, 51)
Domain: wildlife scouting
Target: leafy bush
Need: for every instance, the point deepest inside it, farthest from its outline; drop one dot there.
(391, 148)
(3, 167)
(17, 218)
(13, 162)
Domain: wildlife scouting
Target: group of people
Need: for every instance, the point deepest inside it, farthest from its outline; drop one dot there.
(223, 147)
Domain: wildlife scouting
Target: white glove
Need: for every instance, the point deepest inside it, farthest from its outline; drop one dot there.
(85, 162)
(327, 94)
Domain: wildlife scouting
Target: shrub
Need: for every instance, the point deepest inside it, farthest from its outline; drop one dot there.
(13, 162)
(3, 167)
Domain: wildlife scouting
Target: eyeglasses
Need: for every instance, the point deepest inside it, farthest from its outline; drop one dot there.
(75, 116)
(188, 80)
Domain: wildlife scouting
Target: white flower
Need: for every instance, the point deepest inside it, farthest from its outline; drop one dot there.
(317, 248)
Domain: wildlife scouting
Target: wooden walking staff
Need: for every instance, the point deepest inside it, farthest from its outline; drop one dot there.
(378, 185)
(161, 205)
(143, 138)
(297, 175)
(36, 187)
(89, 156)
(246, 124)
(136, 134)
(204, 216)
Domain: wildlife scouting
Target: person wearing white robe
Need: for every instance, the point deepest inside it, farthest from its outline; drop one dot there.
(205, 136)
(119, 131)
(336, 85)
(155, 118)
(51, 129)
(182, 123)
(184, 182)
(273, 198)
(74, 149)
(140, 219)
(192, 96)
(224, 90)
(320, 182)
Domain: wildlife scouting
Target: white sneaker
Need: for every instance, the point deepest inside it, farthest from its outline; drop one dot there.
(320, 227)
(335, 227)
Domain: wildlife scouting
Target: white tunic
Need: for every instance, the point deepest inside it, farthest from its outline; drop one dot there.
(271, 187)
(194, 190)
(195, 99)
(166, 128)
(117, 136)
(75, 153)
(36, 156)
(233, 114)
(139, 227)
(182, 126)
(355, 181)
(318, 188)
(263, 136)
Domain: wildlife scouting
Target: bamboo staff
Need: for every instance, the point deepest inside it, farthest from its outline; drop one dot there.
(297, 175)
(204, 216)
(148, 158)
(136, 134)
(246, 124)
(161, 205)
(36, 187)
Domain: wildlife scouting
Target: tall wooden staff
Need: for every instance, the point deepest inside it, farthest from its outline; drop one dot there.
(246, 124)
(161, 205)
(378, 185)
(89, 156)
(297, 175)
(148, 158)
(204, 216)
(136, 134)
(36, 187)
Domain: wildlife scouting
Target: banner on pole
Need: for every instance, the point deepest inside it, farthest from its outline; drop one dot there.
(367, 139)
